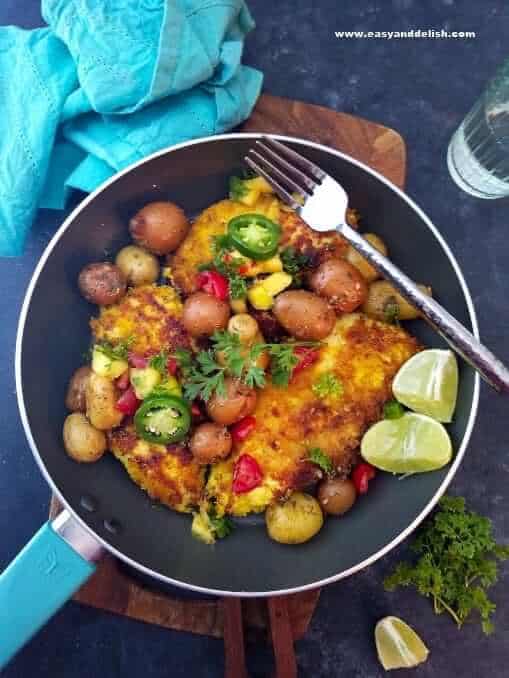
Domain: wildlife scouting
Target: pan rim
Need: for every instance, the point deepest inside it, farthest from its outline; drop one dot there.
(138, 565)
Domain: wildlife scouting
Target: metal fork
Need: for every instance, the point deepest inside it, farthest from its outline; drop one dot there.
(322, 204)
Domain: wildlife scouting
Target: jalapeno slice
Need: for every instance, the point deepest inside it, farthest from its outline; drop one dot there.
(254, 236)
(163, 419)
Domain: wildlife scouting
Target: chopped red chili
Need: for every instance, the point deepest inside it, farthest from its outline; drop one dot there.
(172, 366)
(247, 474)
(306, 356)
(122, 382)
(214, 283)
(128, 403)
(361, 475)
(138, 360)
(242, 429)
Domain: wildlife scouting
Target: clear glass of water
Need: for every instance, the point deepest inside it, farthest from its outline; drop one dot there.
(478, 153)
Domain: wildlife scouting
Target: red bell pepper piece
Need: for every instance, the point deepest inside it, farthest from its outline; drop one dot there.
(242, 429)
(247, 474)
(172, 366)
(214, 283)
(122, 382)
(306, 356)
(195, 410)
(361, 475)
(128, 403)
(137, 360)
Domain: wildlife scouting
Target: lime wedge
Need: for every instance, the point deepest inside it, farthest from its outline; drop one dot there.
(428, 383)
(411, 444)
(398, 645)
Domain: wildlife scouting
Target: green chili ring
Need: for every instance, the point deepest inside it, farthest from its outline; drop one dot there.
(254, 236)
(163, 419)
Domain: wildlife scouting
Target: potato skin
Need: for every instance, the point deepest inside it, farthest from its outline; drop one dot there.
(368, 272)
(75, 400)
(237, 403)
(82, 441)
(341, 283)
(304, 315)
(138, 266)
(203, 314)
(295, 521)
(159, 227)
(210, 442)
(102, 283)
(101, 396)
(336, 495)
(381, 293)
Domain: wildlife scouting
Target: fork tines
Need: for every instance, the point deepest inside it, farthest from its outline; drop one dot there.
(287, 176)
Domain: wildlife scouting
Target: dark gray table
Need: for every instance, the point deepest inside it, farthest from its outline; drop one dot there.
(422, 88)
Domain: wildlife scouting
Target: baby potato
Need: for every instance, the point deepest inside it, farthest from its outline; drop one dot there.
(160, 227)
(139, 266)
(101, 397)
(383, 300)
(363, 266)
(82, 441)
(238, 401)
(295, 521)
(245, 326)
(341, 283)
(336, 495)
(203, 314)
(75, 400)
(102, 283)
(210, 442)
(304, 315)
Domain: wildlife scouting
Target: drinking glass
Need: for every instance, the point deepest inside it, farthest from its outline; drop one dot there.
(478, 153)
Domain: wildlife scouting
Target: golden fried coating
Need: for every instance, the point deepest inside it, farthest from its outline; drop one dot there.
(168, 474)
(196, 248)
(363, 355)
(148, 316)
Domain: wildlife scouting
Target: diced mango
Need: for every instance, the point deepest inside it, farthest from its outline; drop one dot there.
(144, 380)
(108, 367)
(276, 283)
(238, 305)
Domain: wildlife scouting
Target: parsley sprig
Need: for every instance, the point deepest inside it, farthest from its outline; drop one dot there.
(221, 247)
(204, 373)
(117, 351)
(293, 263)
(328, 386)
(457, 563)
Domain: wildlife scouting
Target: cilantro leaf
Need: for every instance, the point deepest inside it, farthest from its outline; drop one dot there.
(222, 527)
(293, 263)
(159, 362)
(393, 410)
(318, 457)
(117, 351)
(283, 361)
(456, 563)
(328, 386)
(391, 311)
(237, 188)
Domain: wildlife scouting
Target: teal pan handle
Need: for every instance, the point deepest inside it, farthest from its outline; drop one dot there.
(41, 578)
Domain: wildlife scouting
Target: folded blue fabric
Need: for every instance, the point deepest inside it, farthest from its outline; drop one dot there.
(107, 83)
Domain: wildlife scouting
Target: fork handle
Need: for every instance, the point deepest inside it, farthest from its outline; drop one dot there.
(457, 336)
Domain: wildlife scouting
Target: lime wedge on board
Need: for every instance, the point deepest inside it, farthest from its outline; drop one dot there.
(398, 645)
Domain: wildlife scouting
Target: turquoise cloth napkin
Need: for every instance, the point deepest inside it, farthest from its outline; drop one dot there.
(107, 83)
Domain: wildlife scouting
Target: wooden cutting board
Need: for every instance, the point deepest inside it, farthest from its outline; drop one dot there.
(112, 588)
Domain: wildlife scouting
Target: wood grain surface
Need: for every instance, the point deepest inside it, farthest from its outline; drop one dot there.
(111, 588)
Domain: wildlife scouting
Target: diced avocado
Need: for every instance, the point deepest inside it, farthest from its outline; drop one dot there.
(144, 380)
(201, 528)
(105, 366)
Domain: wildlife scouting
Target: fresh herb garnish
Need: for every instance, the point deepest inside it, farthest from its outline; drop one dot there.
(391, 311)
(222, 527)
(328, 386)
(237, 188)
(293, 263)
(227, 265)
(457, 563)
(160, 363)
(318, 457)
(237, 285)
(203, 374)
(393, 410)
(115, 351)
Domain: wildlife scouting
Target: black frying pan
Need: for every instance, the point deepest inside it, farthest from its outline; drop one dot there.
(114, 512)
